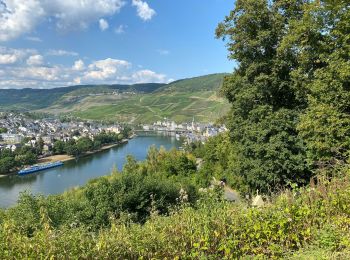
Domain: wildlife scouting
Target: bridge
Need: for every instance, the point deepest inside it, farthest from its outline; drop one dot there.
(162, 130)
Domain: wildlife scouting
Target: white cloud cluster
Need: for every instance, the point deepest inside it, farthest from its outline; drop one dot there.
(12, 56)
(143, 10)
(108, 69)
(20, 68)
(145, 76)
(18, 17)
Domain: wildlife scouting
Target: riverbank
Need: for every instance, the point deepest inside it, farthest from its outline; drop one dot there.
(66, 158)
(55, 158)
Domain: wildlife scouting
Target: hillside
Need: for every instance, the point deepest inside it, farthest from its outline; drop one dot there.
(29, 99)
(204, 83)
(179, 106)
(141, 103)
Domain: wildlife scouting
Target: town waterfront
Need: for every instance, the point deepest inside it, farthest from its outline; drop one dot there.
(77, 173)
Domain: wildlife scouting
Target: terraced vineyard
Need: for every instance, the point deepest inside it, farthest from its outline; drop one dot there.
(179, 106)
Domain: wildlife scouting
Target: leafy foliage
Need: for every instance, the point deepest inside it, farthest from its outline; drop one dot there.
(316, 217)
(265, 108)
(325, 125)
(10, 160)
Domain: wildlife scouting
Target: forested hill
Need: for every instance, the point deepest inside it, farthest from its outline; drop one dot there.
(141, 103)
(28, 98)
(203, 83)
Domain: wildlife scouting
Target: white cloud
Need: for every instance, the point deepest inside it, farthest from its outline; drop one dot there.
(18, 17)
(103, 24)
(78, 65)
(61, 53)
(120, 29)
(35, 60)
(146, 76)
(107, 69)
(143, 10)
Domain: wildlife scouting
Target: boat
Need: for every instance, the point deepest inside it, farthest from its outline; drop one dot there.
(41, 167)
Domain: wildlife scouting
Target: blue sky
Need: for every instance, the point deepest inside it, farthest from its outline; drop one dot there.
(53, 43)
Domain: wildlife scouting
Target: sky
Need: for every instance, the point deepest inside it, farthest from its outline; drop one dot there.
(57, 43)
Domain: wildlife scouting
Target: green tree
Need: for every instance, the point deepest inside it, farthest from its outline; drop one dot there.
(265, 105)
(84, 144)
(26, 158)
(40, 145)
(6, 164)
(72, 148)
(59, 147)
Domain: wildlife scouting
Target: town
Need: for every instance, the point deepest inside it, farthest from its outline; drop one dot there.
(17, 129)
(28, 139)
(190, 132)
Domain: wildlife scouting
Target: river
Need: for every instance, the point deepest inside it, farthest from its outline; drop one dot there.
(78, 173)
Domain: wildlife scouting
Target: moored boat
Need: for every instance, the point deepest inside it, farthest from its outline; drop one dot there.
(41, 167)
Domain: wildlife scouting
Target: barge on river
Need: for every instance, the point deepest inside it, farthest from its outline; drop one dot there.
(41, 167)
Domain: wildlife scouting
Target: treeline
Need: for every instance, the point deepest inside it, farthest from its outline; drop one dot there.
(85, 144)
(20, 157)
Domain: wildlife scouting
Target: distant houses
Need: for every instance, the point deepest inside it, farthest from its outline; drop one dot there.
(192, 131)
(22, 130)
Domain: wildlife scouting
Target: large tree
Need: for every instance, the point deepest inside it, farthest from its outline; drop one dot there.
(266, 102)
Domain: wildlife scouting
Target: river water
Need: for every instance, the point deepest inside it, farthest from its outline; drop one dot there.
(78, 173)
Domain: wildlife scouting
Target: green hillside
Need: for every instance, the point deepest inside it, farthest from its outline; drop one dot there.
(29, 99)
(204, 83)
(179, 106)
(141, 103)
